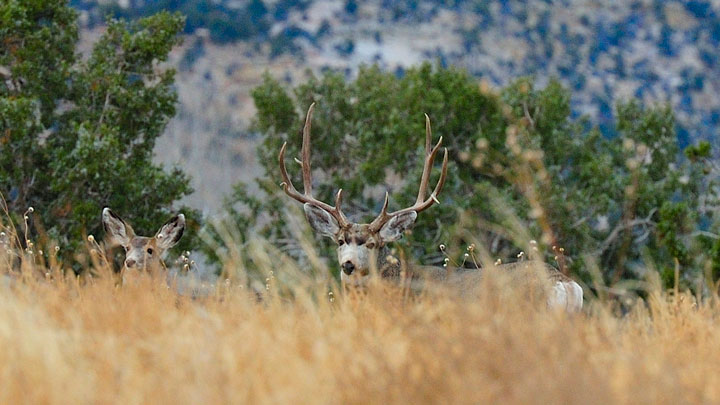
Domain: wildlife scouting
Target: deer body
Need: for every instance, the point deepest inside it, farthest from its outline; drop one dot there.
(142, 253)
(362, 247)
(560, 291)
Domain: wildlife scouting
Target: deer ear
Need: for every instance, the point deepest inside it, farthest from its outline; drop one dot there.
(320, 220)
(170, 233)
(394, 228)
(117, 231)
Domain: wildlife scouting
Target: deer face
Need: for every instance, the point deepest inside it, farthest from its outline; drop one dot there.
(358, 244)
(141, 252)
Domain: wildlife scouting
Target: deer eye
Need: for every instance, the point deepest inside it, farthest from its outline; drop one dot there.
(371, 245)
(150, 251)
(341, 242)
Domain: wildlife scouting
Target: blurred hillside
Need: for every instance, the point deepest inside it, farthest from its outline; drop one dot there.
(604, 52)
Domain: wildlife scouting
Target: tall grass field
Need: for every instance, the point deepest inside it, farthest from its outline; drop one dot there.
(301, 339)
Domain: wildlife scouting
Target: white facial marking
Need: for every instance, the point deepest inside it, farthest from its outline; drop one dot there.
(134, 255)
(355, 279)
(357, 255)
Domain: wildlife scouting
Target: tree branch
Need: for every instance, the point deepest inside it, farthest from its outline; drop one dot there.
(623, 226)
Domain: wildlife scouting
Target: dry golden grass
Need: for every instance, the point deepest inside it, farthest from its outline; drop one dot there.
(62, 342)
(88, 340)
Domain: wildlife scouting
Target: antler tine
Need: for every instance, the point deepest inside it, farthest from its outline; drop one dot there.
(286, 184)
(438, 187)
(306, 171)
(383, 211)
(338, 210)
(443, 175)
(429, 159)
(307, 197)
(428, 134)
(421, 203)
(338, 199)
(289, 187)
(383, 217)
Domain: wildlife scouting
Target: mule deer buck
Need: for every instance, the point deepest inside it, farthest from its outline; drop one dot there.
(142, 253)
(362, 247)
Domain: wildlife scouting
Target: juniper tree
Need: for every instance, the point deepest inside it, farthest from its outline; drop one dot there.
(77, 135)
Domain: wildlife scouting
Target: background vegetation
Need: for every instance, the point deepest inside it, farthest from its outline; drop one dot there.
(77, 135)
(515, 152)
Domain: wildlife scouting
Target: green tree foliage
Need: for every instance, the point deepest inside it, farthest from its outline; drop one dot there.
(77, 135)
(515, 153)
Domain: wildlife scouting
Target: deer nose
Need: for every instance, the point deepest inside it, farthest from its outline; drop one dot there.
(348, 268)
(129, 263)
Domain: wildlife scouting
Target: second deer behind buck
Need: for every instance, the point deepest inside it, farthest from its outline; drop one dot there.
(359, 245)
(142, 253)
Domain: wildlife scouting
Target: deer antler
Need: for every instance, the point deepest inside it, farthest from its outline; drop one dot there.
(307, 197)
(421, 203)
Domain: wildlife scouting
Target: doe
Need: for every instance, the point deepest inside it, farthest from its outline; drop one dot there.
(141, 252)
